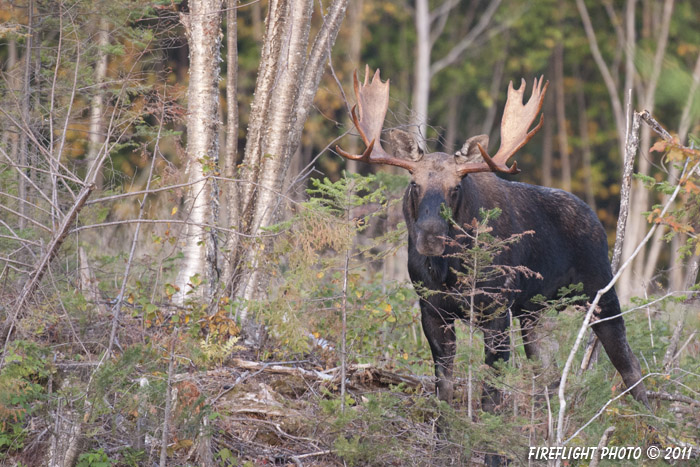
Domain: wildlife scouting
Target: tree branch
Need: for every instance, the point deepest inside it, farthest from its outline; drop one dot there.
(467, 40)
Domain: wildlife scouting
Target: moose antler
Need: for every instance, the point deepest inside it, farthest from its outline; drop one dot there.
(517, 118)
(372, 104)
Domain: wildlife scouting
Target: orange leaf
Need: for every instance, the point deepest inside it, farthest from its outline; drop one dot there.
(659, 146)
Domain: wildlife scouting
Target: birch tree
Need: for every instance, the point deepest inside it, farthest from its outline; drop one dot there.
(644, 88)
(288, 77)
(202, 27)
(429, 28)
(95, 137)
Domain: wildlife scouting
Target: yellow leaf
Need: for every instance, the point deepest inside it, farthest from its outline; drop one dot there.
(697, 249)
(387, 308)
(320, 275)
(405, 356)
(675, 155)
(173, 211)
(358, 294)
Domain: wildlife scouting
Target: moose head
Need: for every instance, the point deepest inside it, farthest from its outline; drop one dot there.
(436, 178)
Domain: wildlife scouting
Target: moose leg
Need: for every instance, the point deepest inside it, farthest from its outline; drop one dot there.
(440, 332)
(527, 329)
(497, 347)
(613, 336)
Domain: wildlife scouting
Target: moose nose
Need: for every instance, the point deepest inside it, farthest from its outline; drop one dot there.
(432, 226)
(430, 237)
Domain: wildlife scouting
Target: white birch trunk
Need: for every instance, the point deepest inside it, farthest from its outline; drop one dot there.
(199, 246)
(230, 190)
(561, 117)
(96, 132)
(287, 82)
(633, 280)
(421, 86)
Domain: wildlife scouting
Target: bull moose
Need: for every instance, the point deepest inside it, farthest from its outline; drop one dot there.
(568, 244)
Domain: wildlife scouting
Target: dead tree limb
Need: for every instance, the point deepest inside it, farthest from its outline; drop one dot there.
(30, 287)
(631, 148)
(601, 444)
(665, 396)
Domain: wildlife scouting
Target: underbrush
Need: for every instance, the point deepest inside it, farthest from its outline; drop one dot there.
(183, 384)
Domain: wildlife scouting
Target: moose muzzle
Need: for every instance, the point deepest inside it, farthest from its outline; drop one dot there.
(430, 236)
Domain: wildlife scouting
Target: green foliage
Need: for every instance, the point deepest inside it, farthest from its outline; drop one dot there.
(96, 458)
(308, 261)
(216, 350)
(387, 428)
(22, 389)
(481, 275)
(566, 296)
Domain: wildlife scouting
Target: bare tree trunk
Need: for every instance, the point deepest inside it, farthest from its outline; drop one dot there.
(356, 23)
(561, 117)
(587, 157)
(256, 13)
(23, 159)
(168, 403)
(610, 83)
(452, 131)
(11, 137)
(268, 150)
(494, 92)
(429, 27)
(547, 150)
(287, 82)
(202, 26)
(230, 190)
(634, 280)
(421, 69)
(96, 134)
(679, 282)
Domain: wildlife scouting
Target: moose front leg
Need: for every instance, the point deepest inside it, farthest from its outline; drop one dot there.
(496, 347)
(440, 332)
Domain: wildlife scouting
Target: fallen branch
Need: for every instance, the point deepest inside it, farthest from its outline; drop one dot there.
(601, 444)
(280, 369)
(665, 396)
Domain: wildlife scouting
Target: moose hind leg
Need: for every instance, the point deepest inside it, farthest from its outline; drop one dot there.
(496, 347)
(613, 336)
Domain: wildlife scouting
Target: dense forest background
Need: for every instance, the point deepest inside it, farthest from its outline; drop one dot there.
(190, 275)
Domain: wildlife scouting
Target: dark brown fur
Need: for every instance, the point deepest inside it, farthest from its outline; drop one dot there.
(568, 246)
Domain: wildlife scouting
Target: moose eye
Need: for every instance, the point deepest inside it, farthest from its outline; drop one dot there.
(454, 192)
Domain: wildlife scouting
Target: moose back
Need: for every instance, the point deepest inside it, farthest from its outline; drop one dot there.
(568, 244)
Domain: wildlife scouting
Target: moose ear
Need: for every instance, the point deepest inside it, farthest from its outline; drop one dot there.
(470, 151)
(403, 144)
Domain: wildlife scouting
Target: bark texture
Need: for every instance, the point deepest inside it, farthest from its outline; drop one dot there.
(96, 135)
(202, 26)
(287, 81)
(229, 190)
(634, 281)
